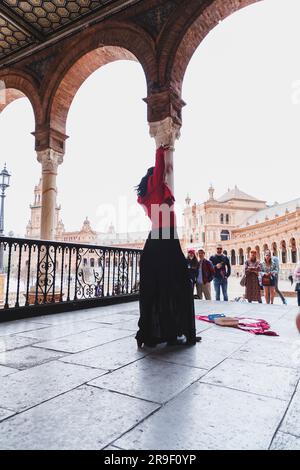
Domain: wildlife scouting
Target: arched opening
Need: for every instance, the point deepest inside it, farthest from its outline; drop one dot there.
(200, 48)
(293, 246)
(225, 235)
(274, 249)
(258, 254)
(99, 104)
(241, 257)
(233, 258)
(227, 219)
(248, 251)
(283, 252)
(76, 75)
(265, 248)
(19, 111)
(205, 21)
(222, 219)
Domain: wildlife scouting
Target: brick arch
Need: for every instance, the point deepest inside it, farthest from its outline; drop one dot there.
(21, 85)
(196, 27)
(86, 56)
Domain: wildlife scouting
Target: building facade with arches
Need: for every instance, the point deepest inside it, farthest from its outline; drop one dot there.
(242, 223)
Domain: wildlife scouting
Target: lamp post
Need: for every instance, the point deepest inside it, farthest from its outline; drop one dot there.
(4, 184)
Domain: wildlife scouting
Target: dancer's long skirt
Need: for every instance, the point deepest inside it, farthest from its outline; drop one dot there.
(166, 298)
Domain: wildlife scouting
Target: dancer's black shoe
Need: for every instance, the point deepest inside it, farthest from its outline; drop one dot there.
(193, 341)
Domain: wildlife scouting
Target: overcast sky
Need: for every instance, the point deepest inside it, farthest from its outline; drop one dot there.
(241, 126)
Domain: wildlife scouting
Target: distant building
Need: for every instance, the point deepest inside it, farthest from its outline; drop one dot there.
(242, 222)
(86, 235)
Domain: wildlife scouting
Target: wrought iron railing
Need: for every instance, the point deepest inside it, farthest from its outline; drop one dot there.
(39, 273)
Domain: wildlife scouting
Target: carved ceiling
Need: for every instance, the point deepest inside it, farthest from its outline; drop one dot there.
(24, 23)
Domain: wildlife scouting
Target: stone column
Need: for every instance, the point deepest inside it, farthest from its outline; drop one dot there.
(50, 159)
(165, 132)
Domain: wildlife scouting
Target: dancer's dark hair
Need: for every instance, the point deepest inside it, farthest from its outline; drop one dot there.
(141, 188)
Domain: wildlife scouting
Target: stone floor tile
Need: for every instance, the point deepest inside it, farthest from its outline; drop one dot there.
(283, 441)
(30, 387)
(262, 379)
(150, 379)
(206, 417)
(222, 333)
(291, 422)
(85, 418)
(115, 318)
(205, 355)
(269, 350)
(8, 343)
(108, 356)
(23, 358)
(59, 331)
(131, 325)
(6, 371)
(19, 326)
(4, 414)
(86, 340)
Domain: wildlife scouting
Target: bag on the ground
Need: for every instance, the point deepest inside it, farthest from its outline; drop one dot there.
(226, 321)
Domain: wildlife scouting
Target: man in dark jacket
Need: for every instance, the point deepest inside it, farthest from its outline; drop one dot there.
(222, 268)
(205, 276)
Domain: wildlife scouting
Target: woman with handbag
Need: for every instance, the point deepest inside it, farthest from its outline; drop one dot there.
(269, 271)
(297, 279)
(251, 281)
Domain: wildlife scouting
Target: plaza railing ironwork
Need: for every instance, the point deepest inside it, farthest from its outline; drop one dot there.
(45, 276)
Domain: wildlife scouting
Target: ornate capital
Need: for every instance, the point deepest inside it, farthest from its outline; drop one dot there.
(50, 159)
(165, 132)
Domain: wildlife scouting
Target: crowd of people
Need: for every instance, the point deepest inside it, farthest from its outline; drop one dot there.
(260, 278)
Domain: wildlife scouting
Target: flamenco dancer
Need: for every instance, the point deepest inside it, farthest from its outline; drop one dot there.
(166, 301)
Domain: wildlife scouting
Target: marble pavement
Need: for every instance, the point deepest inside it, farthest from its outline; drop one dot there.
(77, 381)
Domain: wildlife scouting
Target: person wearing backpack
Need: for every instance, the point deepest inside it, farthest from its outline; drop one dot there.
(205, 275)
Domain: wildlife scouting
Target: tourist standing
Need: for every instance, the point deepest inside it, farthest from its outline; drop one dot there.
(252, 270)
(297, 279)
(166, 303)
(269, 271)
(205, 276)
(193, 267)
(276, 261)
(222, 269)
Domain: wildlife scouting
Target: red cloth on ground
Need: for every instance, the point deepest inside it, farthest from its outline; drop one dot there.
(159, 200)
(256, 327)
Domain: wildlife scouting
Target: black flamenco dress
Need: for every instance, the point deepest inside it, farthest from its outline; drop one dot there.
(166, 300)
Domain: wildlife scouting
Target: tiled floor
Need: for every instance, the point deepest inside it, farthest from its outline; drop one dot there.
(77, 381)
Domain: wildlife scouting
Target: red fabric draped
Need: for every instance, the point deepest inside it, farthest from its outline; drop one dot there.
(256, 327)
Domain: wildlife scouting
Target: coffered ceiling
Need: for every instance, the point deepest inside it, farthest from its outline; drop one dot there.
(25, 23)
